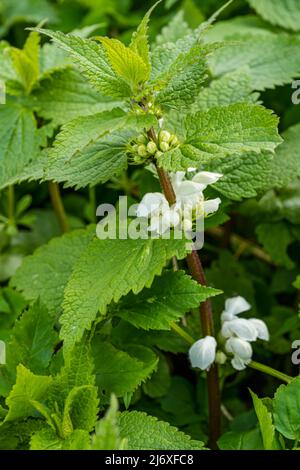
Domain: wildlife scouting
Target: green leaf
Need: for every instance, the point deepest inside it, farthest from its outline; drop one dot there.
(31, 344)
(126, 63)
(139, 42)
(92, 149)
(120, 372)
(28, 387)
(269, 66)
(26, 61)
(275, 239)
(232, 88)
(66, 95)
(220, 132)
(159, 383)
(78, 371)
(153, 434)
(168, 299)
(285, 13)
(107, 434)
(122, 266)
(45, 273)
(267, 428)
(287, 409)
(81, 407)
(243, 176)
(176, 29)
(18, 142)
(92, 60)
(16, 434)
(33, 338)
(184, 79)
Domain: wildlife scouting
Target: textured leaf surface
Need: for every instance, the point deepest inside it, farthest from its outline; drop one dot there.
(242, 176)
(285, 13)
(125, 62)
(184, 79)
(47, 439)
(153, 434)
(66, 95)
(18, 141)
(45, 273)
(31, 344)
(92, 149)
(120, 372)
(108, 270)
(220, 132)
(170, 296)
(269, 66)
(231, 88)
(91, 59)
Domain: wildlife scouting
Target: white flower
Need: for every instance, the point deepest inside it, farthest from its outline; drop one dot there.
(2, 353)
(241, 328)
(234, 306)
(203, 353)
(261, 329)
(190, 192)
(152, 204)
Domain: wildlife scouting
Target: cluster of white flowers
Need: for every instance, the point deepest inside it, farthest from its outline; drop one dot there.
(238, 334)
(190, 202)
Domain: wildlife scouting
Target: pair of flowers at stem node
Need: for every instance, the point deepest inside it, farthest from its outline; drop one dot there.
(235, 338)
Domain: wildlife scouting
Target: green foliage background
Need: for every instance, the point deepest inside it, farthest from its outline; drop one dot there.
(65, 120)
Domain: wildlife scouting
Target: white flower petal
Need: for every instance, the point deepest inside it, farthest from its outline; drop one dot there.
(177, 178)
(2, 352)
(211, 205)
(206, 177)
(239, 347)
(227, 316)
(238, 363)
(261, 328)
(203, 353)
(191, 170)
(236, 305)
(152, 203)
(240, 327)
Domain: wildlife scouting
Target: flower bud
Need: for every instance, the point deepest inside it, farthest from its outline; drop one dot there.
(164, 146)
(158, 154)
(164, 136)
(151, 147)
(142, 151)
(221, 358)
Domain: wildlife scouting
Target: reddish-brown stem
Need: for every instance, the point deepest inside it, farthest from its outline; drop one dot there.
(197, 272)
